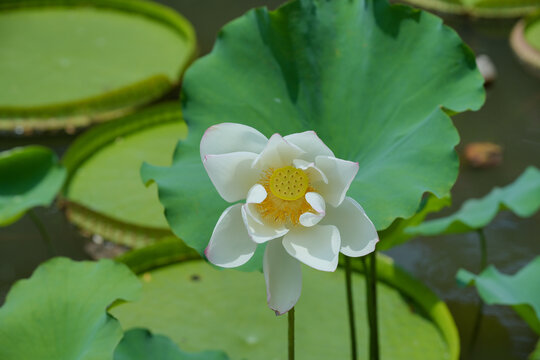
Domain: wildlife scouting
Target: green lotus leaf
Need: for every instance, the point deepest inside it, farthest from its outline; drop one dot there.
(522, 197)
(30, 176)
(60, 312)
(191, 302)
(104, 192)
(69, 63)
(370, 78)
(396, 234)
(141, 344)
(521, 290)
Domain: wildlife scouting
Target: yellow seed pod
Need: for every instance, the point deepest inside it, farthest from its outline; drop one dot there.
(289, 183)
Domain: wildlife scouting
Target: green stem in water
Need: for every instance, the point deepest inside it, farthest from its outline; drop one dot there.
(350, 305)
(476, 328)
(480, 313)
(43, 232)
(370, 266)
(290, 318)
(483, 249)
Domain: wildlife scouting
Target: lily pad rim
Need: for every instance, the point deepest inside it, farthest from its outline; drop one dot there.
(89, 144)
(99, 136)
(521, 47)
(479, 11)
(110, 229)
(107, 104)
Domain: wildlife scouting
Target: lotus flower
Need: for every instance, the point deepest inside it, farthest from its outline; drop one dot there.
(295, 203)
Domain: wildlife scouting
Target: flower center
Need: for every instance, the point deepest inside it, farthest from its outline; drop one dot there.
(289, 183)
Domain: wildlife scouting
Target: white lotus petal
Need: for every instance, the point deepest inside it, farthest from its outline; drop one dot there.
(310, 143)
(314, 173)
(358, 234)
(228, 137)
(308, 219)
(256, 194)
(232, 174)
(258, 229)
(316, 246)
(277, 153)
(317, 203)
(283, 275)
(230, 245)
(340, 174)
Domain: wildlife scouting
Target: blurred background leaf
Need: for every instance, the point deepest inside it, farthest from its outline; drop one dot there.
(29, 176)
(522, 197)
(521, 291)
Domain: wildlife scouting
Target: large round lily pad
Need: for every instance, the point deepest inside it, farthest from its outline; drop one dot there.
(66, 63)
(202, 307)
(104, 192)
(480, 8)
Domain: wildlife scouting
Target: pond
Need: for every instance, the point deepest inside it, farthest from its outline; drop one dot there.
(510, 118)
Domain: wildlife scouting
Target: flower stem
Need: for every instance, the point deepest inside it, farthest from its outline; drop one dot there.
(43, 232)
(290, 318)
(350, 305)
(370, 266)
(480, 313)
(476, 328)
(483, 249)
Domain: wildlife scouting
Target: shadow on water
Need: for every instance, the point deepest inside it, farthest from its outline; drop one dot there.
(509, 118)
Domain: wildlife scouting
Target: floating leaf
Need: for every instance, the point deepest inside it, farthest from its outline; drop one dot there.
(370, 78)
(396, 234)
(29, 176)
(60, 312)
(192, 302)
(522, 197)
(521, 290)
(104, 191)
(141, 344)
(98, 60)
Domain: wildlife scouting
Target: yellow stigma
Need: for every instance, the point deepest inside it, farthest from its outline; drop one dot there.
(289, 183)
(286, 188)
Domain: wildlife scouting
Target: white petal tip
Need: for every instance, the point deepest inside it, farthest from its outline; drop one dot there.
(256, 195)
(279, 312)
(368, 249)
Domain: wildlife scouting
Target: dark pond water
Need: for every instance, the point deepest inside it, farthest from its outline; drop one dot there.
(510, 118)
